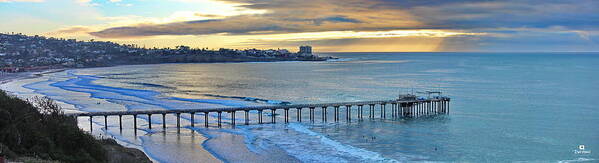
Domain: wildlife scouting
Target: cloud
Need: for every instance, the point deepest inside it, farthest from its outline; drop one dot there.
(364, 34)
(329, 25)
(39, 18)
(282, 16)
(207, 15)
(510, 14)
(292, 16)
(404, 44)
(73, 30)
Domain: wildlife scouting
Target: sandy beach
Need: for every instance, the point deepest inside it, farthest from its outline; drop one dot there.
(8, 77)
(13, 83)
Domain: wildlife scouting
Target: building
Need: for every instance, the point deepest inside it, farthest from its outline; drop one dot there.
(9, 69)
(305, 50)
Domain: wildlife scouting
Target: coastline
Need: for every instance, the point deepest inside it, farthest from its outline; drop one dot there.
(116, 149)
(54, 128)
(14, 79)
(8, 77)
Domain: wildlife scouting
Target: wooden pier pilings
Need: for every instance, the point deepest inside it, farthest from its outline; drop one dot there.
(411, 108)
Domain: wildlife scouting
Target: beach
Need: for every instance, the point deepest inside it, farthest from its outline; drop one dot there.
(272, 81)
(8, 77)
(495, 115)
(13, 83)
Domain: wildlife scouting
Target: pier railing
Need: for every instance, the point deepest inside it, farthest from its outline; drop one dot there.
(399, 108)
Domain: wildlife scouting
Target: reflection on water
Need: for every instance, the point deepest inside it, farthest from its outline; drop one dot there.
(505, 107)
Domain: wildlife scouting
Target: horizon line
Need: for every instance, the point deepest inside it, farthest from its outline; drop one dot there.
(123, 44)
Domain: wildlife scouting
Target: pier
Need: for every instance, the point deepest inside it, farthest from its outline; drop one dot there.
(406, 106)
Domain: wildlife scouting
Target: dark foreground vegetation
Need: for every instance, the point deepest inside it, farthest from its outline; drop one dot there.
(38, 130)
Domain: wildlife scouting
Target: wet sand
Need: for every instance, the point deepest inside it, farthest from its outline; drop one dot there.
(12, 83)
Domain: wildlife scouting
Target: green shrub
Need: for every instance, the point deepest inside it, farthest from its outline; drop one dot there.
(39, 129)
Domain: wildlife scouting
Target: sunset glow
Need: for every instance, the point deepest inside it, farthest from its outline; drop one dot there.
(335, 25)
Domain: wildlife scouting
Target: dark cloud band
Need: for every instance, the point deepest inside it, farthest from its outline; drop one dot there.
(292, 16)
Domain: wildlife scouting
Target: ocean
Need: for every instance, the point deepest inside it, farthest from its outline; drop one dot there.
(506, 107)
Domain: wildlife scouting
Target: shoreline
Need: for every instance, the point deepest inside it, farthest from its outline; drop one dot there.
(56, 128)
(15, 77)
(9, 77)
(115, 150)
(201, 149)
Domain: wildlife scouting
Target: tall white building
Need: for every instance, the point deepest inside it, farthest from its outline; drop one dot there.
(305, 49)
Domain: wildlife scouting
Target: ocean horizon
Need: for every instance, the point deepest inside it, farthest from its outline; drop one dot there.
(505, 107)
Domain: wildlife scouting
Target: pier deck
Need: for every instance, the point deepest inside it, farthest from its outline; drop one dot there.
(412, 107)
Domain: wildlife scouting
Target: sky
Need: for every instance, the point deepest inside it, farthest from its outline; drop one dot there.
(327, 25)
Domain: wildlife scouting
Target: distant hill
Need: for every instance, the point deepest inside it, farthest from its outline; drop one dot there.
(21, 52)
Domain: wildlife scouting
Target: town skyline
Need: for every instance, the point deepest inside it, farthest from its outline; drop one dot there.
(21, 53)
(329, 26)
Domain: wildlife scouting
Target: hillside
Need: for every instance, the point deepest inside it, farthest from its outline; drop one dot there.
(23, 53)
(38, 130)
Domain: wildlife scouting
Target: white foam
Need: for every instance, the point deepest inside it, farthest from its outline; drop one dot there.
(363, 154)
(304, 144)
(578, 160)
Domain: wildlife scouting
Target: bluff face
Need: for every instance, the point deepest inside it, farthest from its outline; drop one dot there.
(37, 130)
